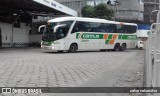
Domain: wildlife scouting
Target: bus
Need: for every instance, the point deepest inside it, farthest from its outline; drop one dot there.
(83, 34)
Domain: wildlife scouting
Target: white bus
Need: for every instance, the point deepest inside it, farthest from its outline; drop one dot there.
(76, 33)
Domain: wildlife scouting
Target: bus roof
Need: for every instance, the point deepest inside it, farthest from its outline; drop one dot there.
(60, 19)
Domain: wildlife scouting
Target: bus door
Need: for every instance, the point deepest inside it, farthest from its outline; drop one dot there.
(0, 38)
(81, 35)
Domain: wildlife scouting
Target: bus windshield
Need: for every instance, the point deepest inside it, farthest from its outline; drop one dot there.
(50, 34)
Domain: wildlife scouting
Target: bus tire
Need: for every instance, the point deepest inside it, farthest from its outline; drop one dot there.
(123, 47)
(117, 47)
(73, 48)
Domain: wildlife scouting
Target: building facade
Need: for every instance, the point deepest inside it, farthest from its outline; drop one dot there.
(150, 10)
(125, 10)
(129, 10)
(74, 4)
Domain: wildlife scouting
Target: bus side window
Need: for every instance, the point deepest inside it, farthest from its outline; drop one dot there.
(102, 27)
(83, 26)
(111, 28)
(126, 29)
(93, 27)
(119, 28)
(76, 27)
(108, 28)
(130, 29)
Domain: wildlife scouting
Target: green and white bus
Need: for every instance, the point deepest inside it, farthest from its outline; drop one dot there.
(76, 33)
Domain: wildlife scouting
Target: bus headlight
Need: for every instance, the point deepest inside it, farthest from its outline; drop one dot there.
(52, 48)
(52, 44)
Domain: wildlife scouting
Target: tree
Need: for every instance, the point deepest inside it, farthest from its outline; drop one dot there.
(99, 11)
(103, 12)
(88, 11)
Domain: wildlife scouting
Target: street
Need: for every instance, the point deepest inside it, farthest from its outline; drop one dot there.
(36, 68)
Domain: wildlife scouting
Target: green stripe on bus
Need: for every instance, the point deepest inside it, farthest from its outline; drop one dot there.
(124, 37)
(101, 36)
(110, 36)
(107, 41)
(77, 34)
(120, 36)
(129, 37)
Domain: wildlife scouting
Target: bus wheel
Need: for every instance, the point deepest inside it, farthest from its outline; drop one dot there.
(123, 47)
(116, 47)
(60, 51)
(72, 48)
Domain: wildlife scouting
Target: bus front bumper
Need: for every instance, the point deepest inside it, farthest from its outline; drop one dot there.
(48, 47)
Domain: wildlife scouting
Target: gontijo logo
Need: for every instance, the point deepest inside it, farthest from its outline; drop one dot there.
(86, 36)
(89, 36)
(132, 37)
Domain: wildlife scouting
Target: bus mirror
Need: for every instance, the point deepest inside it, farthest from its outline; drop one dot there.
(56, 27)
(41, 27)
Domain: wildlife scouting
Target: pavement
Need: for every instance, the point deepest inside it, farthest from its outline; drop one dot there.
(36, 68)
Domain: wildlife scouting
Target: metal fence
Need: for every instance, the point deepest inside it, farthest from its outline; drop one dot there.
(153, 56)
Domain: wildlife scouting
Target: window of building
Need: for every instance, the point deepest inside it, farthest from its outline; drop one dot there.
(66, 3)
(79, 3)
(91, 3)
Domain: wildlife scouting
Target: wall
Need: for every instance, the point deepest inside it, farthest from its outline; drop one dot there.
(20, 35)
(6, 30)
(74, 4)
(35, 38)
(149, 6)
